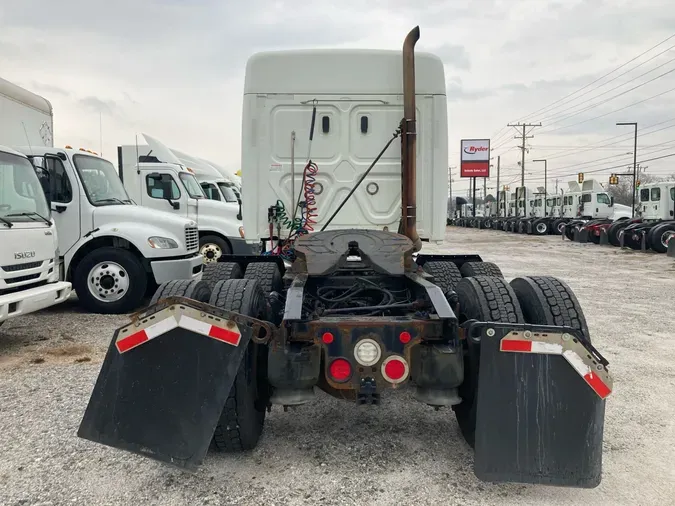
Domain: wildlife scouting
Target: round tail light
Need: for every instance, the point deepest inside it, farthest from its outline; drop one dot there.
(367, 352)
(395, 369)
(340, 370)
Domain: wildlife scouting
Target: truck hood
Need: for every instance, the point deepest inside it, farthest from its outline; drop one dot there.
(218, 208)
(106, 215)
(33, 242)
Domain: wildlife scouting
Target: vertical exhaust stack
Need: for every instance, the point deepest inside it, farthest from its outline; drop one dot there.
(409, 143)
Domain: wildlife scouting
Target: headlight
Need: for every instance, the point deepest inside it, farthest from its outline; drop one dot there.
(162, 243)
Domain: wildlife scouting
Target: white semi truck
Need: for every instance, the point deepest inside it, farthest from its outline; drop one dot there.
(29, 248)
(156, 178)
(25, 118)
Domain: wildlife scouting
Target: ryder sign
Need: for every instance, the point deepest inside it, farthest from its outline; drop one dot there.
(475, 160)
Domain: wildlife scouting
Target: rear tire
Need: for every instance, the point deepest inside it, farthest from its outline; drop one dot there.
(446, 274)
(192, 289)
(547, 300)
(267, 274)
(540, 227)
(613, 232)
(487, 299)
(556, 228)
(242, 420)
(472, 269)
(220, 271)
(658, 235)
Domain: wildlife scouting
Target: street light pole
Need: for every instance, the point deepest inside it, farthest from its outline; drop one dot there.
(634, 124)
(545, 183)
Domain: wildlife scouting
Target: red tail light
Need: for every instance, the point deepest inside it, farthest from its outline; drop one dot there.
(327, 337)
(340, 370)
(405, 337)
(395, 369)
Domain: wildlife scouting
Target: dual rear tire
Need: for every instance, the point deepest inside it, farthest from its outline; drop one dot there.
(538, 300)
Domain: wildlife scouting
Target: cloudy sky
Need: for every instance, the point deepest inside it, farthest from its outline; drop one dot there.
(175, 69)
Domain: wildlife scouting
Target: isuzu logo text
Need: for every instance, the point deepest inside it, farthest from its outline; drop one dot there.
(21, 255)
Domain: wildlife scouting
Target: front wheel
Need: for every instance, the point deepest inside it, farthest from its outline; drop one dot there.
(540, 227)
(213, 247)
(110, 281)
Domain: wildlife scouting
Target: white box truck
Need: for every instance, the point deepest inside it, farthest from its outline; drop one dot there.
(354, 119)
(25, 118)
(29, 248)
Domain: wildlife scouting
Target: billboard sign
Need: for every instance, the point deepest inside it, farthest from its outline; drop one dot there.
(475, 158)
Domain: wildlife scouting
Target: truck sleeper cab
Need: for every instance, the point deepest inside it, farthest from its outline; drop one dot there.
(112, 250)
(29, 249)
(657, 222)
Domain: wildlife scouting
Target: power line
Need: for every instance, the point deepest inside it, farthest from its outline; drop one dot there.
(611, 112)
(609, 91)
(593, 106)
(614, 79)
(596, 80)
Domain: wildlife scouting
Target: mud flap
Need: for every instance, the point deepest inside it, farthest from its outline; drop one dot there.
(540, 405)
(164, 383)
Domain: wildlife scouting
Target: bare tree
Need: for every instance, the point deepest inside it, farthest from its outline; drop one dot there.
(622, 191)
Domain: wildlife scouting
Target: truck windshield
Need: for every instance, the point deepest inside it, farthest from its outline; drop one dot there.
(100, 180)
(228, 192)
(602, 198)
(192, 186)
(22, 198)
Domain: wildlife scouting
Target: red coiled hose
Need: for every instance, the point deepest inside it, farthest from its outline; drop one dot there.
(311, 214)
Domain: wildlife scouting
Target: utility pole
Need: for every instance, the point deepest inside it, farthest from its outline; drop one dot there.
(634, 124)
(498, 191)
(523, 136)
(545, 185)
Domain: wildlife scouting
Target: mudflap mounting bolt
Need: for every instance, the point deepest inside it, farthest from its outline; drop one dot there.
(527, 334)
(490, 332)
(566, 337)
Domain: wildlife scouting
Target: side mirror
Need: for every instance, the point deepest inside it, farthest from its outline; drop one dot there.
(611, 201)
(239, 215)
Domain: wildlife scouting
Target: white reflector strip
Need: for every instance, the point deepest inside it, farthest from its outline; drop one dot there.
(195, 325)
(576, 362)
(161, 327)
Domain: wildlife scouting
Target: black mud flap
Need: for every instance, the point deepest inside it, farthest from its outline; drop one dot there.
(165, 380)
(540, 405)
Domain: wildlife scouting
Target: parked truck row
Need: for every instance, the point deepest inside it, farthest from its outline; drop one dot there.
(585, 213)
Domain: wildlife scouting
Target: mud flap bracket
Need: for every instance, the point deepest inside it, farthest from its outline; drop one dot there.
(165, 379)
(540, 405)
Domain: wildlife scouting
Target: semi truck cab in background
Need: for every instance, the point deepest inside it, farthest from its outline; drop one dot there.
(113, 250)
(29, 247)
(156, 178)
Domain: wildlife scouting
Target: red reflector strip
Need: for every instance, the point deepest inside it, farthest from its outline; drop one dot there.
(131, 341)
(229, 336)
(514, 345)
(597, 385)
(522, 346)
(156, 329)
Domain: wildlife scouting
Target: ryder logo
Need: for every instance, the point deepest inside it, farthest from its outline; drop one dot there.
(472, 150)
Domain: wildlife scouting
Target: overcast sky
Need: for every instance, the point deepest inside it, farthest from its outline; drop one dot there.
(175, 68)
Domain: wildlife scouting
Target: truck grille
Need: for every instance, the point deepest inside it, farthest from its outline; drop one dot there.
(21, 279)
(191, 238)
(21, 267)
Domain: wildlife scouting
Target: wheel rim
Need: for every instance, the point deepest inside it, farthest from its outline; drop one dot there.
(211, 252)
(108, 281)
(561, 227)
(541, 227)
(667, 236)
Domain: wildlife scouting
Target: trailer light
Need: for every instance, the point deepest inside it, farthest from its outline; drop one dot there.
(395, 369)
(405, 337)
(69, 146)
(340, 370)
(367, 352)
(241, 232)
(162, 243)
(327, 338)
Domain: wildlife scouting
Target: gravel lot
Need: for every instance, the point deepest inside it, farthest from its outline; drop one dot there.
(332, 452)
